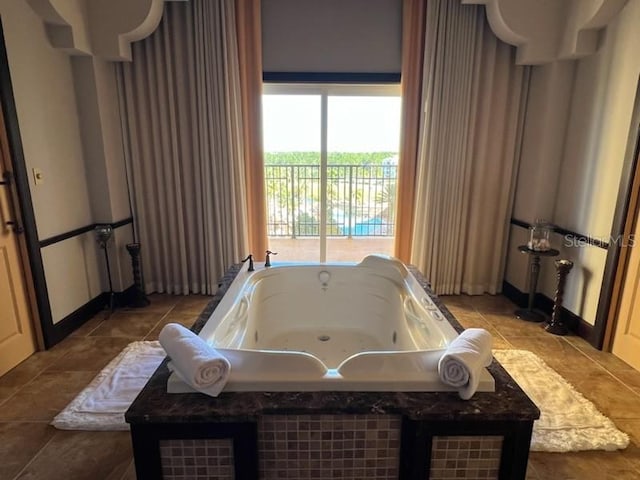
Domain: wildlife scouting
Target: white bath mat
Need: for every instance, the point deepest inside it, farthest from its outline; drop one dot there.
(101, 405)
(568, 421)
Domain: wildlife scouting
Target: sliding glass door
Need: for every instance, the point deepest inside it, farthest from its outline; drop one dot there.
(330, 169)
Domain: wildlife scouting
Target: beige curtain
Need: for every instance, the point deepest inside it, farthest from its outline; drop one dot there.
(413, 36)
(250, 59)
(474, 97)
(182, 122)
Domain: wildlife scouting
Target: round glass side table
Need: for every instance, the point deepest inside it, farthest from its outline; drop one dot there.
(529, 314)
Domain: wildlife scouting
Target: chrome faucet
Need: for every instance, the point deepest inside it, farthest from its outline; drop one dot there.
(267, 261)
(250, 258)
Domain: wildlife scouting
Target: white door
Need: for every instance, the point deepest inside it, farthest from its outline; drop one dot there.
(17, 340)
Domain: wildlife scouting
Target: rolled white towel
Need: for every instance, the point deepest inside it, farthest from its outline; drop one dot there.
(194, 360)
(464, 359)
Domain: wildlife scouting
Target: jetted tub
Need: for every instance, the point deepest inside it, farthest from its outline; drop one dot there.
(364, 327)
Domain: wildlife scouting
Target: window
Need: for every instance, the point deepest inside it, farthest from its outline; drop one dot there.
(331, 156)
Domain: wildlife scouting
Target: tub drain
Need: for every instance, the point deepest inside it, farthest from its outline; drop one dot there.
(324, 338)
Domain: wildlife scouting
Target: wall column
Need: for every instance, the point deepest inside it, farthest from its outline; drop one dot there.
(100, 129)
(543, 143)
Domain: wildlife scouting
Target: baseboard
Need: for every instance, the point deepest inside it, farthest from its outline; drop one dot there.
(515, 295)
(124, 298)
(588, 332)
(543, 303)
(76, 319)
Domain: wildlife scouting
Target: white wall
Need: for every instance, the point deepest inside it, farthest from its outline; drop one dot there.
(100, 128)
(547, 116)
(111, 128)
(45, 100)
(72, 270)
(600, 120)
(121, 272)
(101, 133)
(47, 114)
(543, 140)
(93, 144)
(582, 197)
(69, 122)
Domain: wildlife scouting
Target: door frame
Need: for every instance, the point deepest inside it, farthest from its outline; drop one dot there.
(623, 220)
(324, 91)
(33, 267)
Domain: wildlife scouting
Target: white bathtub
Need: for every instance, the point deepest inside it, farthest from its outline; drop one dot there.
(365, 327)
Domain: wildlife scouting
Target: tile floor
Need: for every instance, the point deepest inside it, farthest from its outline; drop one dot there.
(32, 393)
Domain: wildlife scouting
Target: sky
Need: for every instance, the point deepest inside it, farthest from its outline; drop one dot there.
(355, 124)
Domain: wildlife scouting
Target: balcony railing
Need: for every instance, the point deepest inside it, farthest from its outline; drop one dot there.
(360, 200)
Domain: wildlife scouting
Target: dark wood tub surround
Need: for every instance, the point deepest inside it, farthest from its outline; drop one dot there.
(156, 415)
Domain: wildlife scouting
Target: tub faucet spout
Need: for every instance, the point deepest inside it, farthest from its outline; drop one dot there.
(250, 258)
(267, 261)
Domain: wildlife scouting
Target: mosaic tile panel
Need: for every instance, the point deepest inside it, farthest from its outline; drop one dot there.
(467, 457)
(200, 459)
(323, 447)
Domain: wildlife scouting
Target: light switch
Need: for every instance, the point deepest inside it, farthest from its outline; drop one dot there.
(38, 176)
